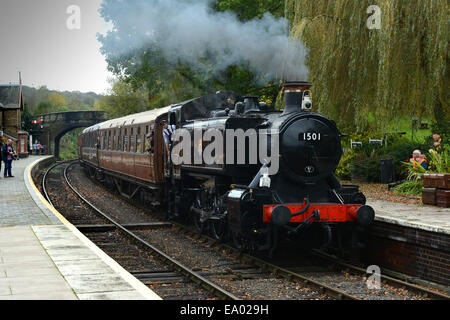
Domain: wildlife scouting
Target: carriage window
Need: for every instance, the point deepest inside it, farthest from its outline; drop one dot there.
(139, 144)
(125, 142)
(132, 143)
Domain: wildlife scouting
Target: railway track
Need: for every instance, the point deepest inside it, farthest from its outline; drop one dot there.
(327, 283)
(105, 240)
(330, 273)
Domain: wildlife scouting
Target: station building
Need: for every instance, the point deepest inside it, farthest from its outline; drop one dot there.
(11, 107)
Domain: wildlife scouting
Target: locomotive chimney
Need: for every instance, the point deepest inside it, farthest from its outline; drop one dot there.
(293, 95)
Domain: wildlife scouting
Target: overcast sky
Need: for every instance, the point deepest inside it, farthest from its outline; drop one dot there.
(35, 39)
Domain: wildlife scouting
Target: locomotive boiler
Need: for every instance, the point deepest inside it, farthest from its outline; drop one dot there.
(271, 177)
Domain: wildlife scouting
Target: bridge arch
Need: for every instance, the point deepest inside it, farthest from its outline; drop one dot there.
(55, 125)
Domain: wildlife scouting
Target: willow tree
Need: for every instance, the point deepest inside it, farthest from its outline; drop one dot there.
(367, 78)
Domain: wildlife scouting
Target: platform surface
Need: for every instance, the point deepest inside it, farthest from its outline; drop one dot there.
(43, 257)
(424, 217)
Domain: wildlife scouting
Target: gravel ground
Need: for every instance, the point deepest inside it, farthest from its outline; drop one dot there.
(377, 191)
(187, 251)
(66, 202)
(117, 208)
(125, 252)
(356, 286)
(272, 289)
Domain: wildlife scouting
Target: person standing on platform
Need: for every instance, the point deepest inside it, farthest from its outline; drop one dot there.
(38, 148)
(8, 155)
(1, 153)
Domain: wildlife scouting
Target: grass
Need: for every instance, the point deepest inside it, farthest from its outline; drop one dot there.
(404, 124)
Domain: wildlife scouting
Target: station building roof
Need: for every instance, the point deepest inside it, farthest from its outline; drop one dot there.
(9, 96)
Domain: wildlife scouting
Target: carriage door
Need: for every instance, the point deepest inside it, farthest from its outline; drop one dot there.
(174, 120)
(97, 147)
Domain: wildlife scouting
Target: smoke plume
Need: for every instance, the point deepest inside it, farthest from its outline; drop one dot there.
(190, 31)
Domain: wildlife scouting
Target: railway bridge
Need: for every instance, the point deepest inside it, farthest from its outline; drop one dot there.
(53, 126)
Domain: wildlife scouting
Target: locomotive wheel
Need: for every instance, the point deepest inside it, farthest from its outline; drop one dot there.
(218, 229)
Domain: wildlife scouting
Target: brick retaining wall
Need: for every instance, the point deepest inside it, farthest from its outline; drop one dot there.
(415, 252)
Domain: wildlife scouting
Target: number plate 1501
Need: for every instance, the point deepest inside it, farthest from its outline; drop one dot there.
(309, 136)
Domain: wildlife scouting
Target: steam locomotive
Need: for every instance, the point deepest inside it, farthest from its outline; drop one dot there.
(242, 198)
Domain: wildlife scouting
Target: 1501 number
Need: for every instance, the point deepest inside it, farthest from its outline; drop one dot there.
(311, 136)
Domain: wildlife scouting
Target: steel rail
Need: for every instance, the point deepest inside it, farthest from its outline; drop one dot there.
(187, 272)
(272, 268)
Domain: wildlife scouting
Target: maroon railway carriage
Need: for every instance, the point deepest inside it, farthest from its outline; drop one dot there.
(116, 151)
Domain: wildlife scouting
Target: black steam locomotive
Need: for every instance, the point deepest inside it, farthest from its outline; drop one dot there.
(238, 194)
(303, 199)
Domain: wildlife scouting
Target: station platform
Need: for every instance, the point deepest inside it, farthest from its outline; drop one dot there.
(44, 257)
(423, 217)
(412, 240)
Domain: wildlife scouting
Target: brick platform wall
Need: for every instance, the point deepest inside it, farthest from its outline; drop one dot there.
(418, 253)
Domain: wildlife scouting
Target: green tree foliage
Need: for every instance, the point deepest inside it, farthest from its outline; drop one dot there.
(44, 107)
(43, 100)
(57, 100)
(68, 145)
(366, 78)
(123, 100)
(249, 9)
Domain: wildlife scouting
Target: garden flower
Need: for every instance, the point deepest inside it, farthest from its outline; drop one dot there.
(436, 136)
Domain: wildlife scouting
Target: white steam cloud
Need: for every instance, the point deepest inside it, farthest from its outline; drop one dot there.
(190, 31)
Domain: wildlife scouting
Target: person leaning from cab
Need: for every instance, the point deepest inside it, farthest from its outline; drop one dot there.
(167, 134)
(418, 159)
(8, 154)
